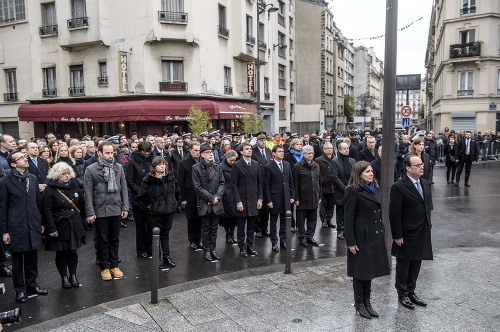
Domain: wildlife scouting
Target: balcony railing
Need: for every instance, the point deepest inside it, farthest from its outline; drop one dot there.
(228, 90)
(76, 91)
(173, 86)
(11, 96)
(465, 93)
(102, 80)
(282, 115)
(250, 39)
(281, 20)
(282, 83)
(172, 17)
(467, 10)
(47, 93)
(79, 22)
(267, 96)
(48, 30)
(262, 45)
(465, 50)
(223, 31)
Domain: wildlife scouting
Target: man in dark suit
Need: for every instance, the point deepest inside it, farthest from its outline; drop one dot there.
(410, 216)
(277, 184)
(307, 141)
(37, 166)
(178, 152)
(327, 204)
(21, 224)
(369, 154)
(263, 155)
(467, 152)
(160, 150)
(247, 189)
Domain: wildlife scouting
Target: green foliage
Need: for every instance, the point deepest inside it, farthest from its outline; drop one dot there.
(252, 123)
(199, 120)
(349, 107)
(421, 111)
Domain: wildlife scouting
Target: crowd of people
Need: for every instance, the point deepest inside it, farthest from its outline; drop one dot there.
(59, 190)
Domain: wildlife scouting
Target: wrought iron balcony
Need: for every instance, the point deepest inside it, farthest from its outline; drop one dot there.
(465, 50)
(47, 93)
(102, 80)
(76, 91)
(267, 96)
(48, 30)
(172, 17)
(250, 39)
(223, 31)
(173, 86)
(282, 83)
(79, 22)
(11, 96)
(465, 93)
(262, 45)
(468, 10)
(228, 90)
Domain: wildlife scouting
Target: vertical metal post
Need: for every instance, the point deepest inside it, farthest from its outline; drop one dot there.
(155, 264)
(288, 268)
(257, 3)
(387, 176)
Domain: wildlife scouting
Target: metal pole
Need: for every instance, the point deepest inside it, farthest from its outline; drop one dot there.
(258, 57)
(387, 176)
(288, 268)
(154, 265)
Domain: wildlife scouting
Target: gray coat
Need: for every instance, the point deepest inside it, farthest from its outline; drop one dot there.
(208, 182)
(98, 201)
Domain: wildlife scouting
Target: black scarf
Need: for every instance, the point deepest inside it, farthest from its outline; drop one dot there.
(346, 164)
(23, 177)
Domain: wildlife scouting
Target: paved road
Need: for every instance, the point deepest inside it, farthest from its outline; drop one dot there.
(463, 217)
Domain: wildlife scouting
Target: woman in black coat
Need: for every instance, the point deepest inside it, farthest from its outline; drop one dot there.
(451, 161)
(364, 235)
(157, 195)
(417, 148)
(62, 205)
(228, 219)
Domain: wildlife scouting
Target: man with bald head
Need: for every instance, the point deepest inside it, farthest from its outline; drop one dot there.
(161, 150)
(37, 166)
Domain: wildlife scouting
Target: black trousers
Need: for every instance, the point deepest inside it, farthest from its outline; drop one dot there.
(164, 223)
(339, 211)
(451, 169)
(143, 232)
(273, 224)
(406, 276)
(262, 223)
(24, 270)
(209, 226)
(311, 216)
(362, 290)
(2, 255)
(468, 165)
(326, 207)
(108, 241)
(194, 230)
(250, 229)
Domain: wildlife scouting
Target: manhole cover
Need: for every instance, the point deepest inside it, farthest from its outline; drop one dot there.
(297, 320)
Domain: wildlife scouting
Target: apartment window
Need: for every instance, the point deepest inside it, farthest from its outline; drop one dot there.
(467, 7)
(172, 11)
(76, 82)
(267, 95)
(281, 13)
(228, 88)
(11, 83)
(281, 44)
(250, 37)
(290, 46)
(12, 10)
(223, 31)
(49, 82)
(175, 6)
(340, 53)
(79, 17)
(103, 74)
(467, 36)
(282, 108)
(49, 20)
(290, 25)
(465, 84)
(281, 77)
(172, 71)
(498, 83)
(261, 32)
(291, 68)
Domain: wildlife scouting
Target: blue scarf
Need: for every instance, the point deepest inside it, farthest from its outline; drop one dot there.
(80, 161)
(296, 154)
(370, 187)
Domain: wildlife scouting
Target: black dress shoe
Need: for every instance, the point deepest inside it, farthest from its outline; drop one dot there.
(361, 310)
(198, 243)
(65, 282)
(276, 248)
(193, 245)
(456, 184)
(143, 255)
(214, 255)
(467, 184)
(432, 182)
(313, 242)
(5, 271)
(303, 243)
(418, 301)
(405, 302)
(283, 245)
(252, 252)
(228, 239)
(266, 233)
(243, 253)
(8, 256)
(448, 181)
(340, 235)
(370, 310)
(294, 229)
(37, 291)
(21, 297)
(74, 281)
(325, 224)
(258, 234)
(207, 256)
(167, 260)
(331, 225)
(234, 239)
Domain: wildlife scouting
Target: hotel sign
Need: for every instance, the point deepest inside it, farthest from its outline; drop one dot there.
(251, 76)
(123, 71)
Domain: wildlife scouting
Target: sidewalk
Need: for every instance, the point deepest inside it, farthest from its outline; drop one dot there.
(462, 287)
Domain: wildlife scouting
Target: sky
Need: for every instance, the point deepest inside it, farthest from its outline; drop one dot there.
(366, 18)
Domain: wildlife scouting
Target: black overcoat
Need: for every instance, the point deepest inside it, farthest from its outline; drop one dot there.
(340, 178)
(247, 187)
(326, 180)
(137, 169)
(278, 186)
(228, 197)
(450, 150)
(290, 158)
(185, 182)
(208, 182)
(157, 195)
(19, 213)
(410, 218)
(307, 185)
(364, 228)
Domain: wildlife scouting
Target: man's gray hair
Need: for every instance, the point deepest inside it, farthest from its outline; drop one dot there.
(327, 145)
(307, 148)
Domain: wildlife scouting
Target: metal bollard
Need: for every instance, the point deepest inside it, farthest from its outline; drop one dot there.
(154, 265)
(288, 267)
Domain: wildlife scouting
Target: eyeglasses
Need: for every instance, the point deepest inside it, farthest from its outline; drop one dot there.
(25, 156)
(418, 165)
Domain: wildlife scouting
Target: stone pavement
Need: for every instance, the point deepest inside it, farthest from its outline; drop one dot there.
(462, 287)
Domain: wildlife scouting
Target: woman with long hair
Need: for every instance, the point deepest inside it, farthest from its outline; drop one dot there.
(364, 235)
(54, 146)
(62, 209)
(45, 154)
(417, 148)
(62, 154)
(76, 154)
(450, 161)
(228, 219)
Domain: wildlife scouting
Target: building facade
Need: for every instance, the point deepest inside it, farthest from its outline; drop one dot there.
(103, 67)
(463, 65)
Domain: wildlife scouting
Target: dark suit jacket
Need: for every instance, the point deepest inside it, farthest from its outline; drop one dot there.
(461, 149)
(340, 178)
(186, 187)
(277, 186)
(326, 180)
(410, 218)
(257, 155)
(247, 187)
(366, 155)
(41, 171)
(176, 157)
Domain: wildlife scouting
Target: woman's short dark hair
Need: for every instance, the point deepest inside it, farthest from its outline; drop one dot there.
(355, 180)
(144, 145)
(158, 161)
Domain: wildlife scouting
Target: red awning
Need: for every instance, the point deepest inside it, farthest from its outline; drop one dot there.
(141, 110)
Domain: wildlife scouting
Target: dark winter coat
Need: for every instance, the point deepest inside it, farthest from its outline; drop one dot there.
(307, 184)
(137, 169)
(19, 213)
(228, 197)
(41, 171)
(474, 150)
(410, 218)
(326, 180)
(185, 182)
(367, 155)
(427, 165)
(59, 215)
(290, 159)
(79, 173)
(431, 149)
(247, 187)
(208, 182)
(364, 228)
(450, 151)
(340, 178)
(277, 186)
(158, 194)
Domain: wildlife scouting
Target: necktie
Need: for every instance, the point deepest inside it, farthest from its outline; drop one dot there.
(467, 149)
(419, 188)
(35, 161)
(248, 163)
(180, 153)
(263, 153)
(281, 167)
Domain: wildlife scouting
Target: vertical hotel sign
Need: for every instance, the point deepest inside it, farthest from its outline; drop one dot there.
(251, 76)
(123, 70)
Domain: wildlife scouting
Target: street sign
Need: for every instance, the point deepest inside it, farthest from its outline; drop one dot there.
(406, 111)
(493, 106)
(405, 122)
